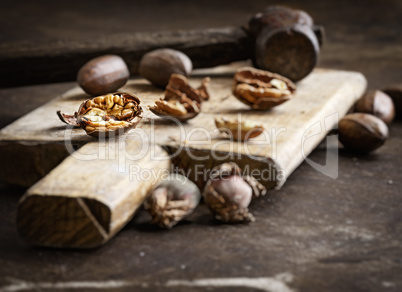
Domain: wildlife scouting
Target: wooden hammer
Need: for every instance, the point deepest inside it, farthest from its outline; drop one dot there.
(278, 39)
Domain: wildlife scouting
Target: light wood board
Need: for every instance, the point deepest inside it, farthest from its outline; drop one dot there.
(322, 98)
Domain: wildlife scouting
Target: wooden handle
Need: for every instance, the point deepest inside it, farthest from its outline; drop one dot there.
(83, 203)
(33, 63)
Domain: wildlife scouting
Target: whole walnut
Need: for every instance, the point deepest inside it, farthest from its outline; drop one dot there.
(157, 66)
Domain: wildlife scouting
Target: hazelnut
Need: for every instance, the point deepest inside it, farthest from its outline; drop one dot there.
(157, 66)
(362, 132)
(103, 75)
(377, 103)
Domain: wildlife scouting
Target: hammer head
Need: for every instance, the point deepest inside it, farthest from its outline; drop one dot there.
(286, 42)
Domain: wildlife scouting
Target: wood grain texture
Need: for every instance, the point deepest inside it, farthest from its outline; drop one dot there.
(83, 203)
(323, 93)
(91, 195)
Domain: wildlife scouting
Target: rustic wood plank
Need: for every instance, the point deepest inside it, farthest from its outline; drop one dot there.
(337, 90)
(88, 197)
(83, 203)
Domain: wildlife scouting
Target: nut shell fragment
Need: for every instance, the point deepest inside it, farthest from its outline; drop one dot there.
(261, 89)
(68, 119)
(239, 130)
(106, 114)
(181, 101)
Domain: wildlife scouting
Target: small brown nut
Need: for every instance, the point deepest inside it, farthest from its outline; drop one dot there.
(362, 132)
(172, 200)
(239, 130)
(261, 89)
(103, 115)
(377, 103)
(103, 75)
(158, 65)
(395, 92)
(181, 101)
(228, 193)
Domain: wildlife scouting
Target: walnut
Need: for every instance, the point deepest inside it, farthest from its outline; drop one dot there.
(261, 89)
(181, 101)
(108, 113)
(239, 130)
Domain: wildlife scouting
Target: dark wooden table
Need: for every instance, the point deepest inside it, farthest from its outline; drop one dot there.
(315, 234)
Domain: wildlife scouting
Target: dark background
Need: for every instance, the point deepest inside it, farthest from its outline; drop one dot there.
(331, 235)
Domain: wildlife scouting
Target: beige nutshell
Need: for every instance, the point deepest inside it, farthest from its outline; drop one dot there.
(362, 132)
(103, 75)
(157, 66)
(239, 130)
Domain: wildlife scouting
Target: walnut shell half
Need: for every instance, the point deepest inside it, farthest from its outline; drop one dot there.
(261, 89)
(106, 114)
(181, 101)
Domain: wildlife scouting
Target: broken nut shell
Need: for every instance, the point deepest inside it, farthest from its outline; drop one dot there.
(262, 90)
(239, 130)
(181, 101)
(106, 114)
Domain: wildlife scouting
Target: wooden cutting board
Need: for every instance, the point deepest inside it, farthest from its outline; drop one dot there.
(89, 197)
